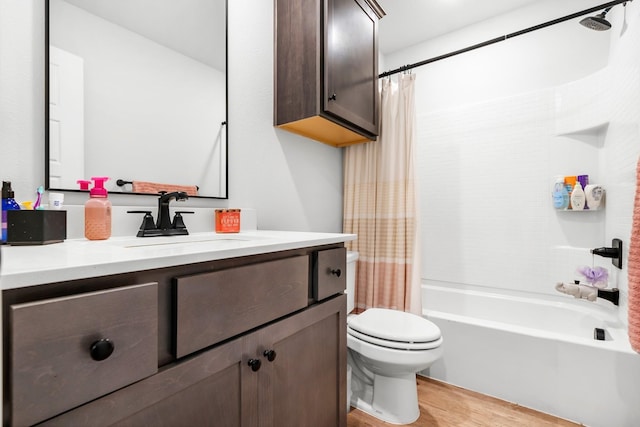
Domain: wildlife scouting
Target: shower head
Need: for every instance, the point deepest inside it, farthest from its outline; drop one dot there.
(597, 22)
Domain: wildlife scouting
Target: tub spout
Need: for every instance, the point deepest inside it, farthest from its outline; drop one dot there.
(612, 295)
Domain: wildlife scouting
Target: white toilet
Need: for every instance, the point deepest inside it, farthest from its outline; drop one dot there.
(386, 348)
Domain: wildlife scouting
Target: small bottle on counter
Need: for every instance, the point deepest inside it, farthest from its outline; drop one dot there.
(97, 212)
(8, 204)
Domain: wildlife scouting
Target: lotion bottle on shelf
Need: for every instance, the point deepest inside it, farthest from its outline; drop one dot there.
(97, 212)
(577, 197)
(570, 183)
(560, 194)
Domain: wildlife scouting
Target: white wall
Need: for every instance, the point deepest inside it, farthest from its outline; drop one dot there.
(293, 183)
(497, 124)
(544, 58)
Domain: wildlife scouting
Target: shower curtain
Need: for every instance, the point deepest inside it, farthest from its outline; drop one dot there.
(380, 205)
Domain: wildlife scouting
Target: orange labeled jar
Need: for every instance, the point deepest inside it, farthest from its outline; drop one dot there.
(227, 220)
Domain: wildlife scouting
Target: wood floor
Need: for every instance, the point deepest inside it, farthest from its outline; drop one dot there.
(444, 405)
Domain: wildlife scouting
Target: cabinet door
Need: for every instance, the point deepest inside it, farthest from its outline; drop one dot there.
(204, 390)
(351, 63)
(214, 401)
(305, 384)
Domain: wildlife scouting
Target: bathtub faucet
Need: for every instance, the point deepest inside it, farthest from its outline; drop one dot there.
(614, 252)
(612, 295)
(587, 292)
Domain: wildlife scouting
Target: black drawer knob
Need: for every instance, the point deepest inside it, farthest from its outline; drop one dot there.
(255, 364)
(270, 355)
(101, 349)
(337, 272)
(333, 97)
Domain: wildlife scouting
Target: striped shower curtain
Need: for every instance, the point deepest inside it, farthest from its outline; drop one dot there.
(380, 205)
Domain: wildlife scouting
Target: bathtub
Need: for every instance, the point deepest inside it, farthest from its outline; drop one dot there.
(538, 352)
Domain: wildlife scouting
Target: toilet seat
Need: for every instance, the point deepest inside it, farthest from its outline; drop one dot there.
(394, 329)
(396, 345)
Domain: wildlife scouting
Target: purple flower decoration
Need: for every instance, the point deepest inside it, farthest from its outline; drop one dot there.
(597, 277)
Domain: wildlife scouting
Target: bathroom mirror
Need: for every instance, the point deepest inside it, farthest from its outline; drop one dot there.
(136, 90)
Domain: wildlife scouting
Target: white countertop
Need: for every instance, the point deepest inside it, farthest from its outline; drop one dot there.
(22, 266)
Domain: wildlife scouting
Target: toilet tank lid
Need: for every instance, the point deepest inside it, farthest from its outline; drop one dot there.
(352, 256)
(395, 325)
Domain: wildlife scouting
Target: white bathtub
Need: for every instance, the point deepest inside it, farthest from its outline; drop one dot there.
(538, 352)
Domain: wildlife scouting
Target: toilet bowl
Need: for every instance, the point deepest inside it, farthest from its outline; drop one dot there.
(386, 348)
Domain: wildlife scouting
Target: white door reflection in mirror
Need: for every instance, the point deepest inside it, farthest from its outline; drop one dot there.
(66, 118)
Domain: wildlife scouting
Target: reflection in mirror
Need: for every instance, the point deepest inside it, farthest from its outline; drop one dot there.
(137, 92)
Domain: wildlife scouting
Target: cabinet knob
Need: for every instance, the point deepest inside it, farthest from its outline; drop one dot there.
(337, 272)
(333, 97)
(270, 355)
(101, 349)
(255, 364)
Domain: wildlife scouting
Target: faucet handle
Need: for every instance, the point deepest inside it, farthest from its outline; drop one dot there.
(178, 222)
(147, 222)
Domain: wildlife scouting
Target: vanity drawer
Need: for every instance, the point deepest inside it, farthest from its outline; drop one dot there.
(212, 307)
(55, 349)
(330, 273)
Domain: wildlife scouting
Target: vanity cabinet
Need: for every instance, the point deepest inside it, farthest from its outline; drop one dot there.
(236, 383)
(326, 69)
(236, 342)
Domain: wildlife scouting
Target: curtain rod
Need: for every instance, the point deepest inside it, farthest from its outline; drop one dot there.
(502, 38)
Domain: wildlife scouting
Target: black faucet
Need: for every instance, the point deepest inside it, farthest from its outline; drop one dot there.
(614, 252)
(164, 226)
(164, 219)
(612, 295)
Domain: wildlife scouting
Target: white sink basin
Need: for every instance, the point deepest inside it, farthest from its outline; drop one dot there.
(138, 242)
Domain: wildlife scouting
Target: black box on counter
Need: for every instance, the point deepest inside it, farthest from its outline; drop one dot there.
(36, 227)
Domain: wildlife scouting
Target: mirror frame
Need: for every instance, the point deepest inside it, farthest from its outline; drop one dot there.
(46, 112)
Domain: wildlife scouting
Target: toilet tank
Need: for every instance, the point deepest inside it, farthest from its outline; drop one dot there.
(352, 258)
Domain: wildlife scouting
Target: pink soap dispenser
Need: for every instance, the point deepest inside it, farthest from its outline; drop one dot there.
(97, 212)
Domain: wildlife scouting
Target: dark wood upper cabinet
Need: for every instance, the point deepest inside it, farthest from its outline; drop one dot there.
(326, 69)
